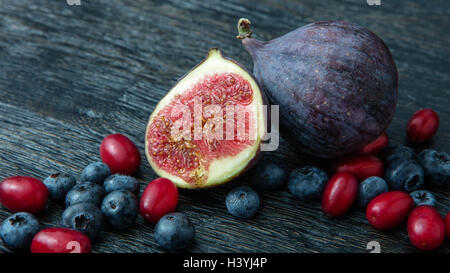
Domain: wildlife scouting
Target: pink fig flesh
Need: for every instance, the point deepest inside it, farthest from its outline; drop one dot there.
(208, 129)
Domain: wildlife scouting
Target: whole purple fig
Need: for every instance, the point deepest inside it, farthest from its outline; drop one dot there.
(335, 82)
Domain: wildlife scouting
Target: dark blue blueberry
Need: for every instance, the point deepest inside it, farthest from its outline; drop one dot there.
(369, 189)
(393, 153)
(174, 231)
(269, 176)
(120, 209)
(406, 175)
(117, 182)
(242, 202)
(17, 231)
(422, 197)
(95, 172)
(85, 218)
(59, 184)
(307, 183)
(436, 166)
(85, 192)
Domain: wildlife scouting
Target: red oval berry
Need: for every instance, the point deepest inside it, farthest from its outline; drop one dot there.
(60, 240)
(362, 166)
(389, 209)
(374, 147)
(120, 154)
(339, 194)
(23, 193)
(447, 225)
(159, 198)
(426, 229)
(422, 125)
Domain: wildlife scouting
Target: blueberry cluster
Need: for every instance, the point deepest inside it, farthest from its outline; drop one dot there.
(97, 198)
(305, 183)
(408, 172)
(405, 171)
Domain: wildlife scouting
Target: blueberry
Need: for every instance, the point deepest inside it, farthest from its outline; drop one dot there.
(268, 176)
(117, 182)
(307, 183)
(404, 175)
(59, 184)
(422, 197)
(174, 231)
(95, 172)
(242, 202)
(17, 231)
(84, 217)
(436, 166)
(120, 209)
(393, 153)
(85, 192)
(369, 189)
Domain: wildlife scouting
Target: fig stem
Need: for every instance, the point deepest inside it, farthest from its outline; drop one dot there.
(244, 29)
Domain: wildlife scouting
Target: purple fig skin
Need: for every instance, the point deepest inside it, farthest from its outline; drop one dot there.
(336, 84)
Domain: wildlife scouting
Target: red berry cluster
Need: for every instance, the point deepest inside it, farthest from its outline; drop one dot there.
(27, 194)
(426, 228)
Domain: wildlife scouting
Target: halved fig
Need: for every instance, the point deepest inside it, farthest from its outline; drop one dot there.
(209, 127)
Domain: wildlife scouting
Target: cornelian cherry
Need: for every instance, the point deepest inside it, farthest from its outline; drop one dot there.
(159, 198)
(23, 193)
(60, 240)
(120, 154)
(362, 166)
(389, 209)
(339, 194)
(426, 229)
(374, 147)
(422, 125)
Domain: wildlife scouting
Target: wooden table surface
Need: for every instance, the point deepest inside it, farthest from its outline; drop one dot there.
(70, 75)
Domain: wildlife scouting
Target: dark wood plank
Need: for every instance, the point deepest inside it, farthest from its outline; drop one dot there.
(71, 75)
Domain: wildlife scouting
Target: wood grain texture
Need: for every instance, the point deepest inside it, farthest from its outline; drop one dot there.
(70, 75)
